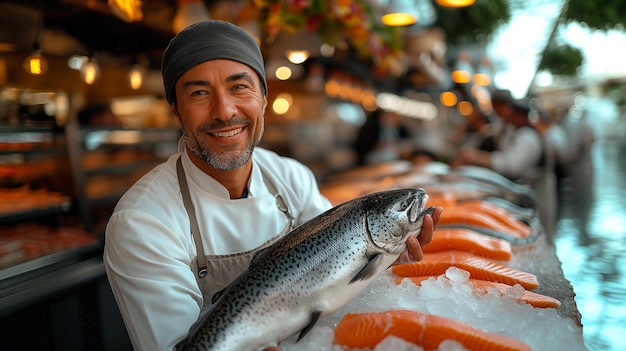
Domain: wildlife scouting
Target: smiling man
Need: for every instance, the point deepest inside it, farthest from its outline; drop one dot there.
(191, 225)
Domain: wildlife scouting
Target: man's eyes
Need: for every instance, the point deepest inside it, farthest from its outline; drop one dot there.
(198, 92)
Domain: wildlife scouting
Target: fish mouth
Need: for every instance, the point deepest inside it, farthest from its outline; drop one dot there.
(418, 209)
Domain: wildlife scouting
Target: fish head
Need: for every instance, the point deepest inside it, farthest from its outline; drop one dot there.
(392, 215)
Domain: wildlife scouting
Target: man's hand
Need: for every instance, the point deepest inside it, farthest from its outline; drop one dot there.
(414, 244)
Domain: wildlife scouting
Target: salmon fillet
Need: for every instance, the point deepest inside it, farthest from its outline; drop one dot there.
(478, 267)
(366, 330)
(470, 241)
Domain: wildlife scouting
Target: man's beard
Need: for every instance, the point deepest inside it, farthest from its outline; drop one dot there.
(225, 161)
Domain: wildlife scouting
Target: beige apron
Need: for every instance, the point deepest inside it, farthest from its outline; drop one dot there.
(215, 272)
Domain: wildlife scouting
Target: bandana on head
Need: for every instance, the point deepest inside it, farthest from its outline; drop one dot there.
(205, 41)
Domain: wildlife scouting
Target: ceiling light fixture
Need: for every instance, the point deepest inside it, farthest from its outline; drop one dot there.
(188, 13)
(463, 71)
(400, 13)
(126, 10)
(90, 71)
(297, 46)
(136, 76)
(297, 56)
(455, 3)
(36, 64)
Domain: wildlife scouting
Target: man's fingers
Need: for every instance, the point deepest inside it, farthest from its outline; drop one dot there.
(414, 248)
(436, 215)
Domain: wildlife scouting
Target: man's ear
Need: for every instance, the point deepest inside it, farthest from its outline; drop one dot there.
(264, 103)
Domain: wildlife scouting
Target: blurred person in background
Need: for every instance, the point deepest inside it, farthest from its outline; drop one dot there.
(476, 130)
(383, 137)
(521, 154)
(99, 114)
(580, 168)
(549, 123)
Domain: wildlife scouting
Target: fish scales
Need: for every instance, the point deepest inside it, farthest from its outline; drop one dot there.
(310, 272)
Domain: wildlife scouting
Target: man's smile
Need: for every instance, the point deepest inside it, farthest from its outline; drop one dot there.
(227, 134)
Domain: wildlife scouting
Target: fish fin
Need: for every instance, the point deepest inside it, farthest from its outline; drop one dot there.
(256, 256)
(217, 295)
(181, 345)
(315, 316)
(369, 269)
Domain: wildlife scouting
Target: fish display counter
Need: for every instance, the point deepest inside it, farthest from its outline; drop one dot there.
(490, 279)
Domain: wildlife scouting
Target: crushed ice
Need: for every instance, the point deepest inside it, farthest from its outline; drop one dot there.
(451, 296)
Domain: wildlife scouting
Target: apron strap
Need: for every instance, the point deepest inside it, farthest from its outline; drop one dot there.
(280, 201)
(193, 221)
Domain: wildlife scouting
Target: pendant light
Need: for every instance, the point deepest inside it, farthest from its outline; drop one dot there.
(462, 72)
(126, 10)
(36, 64)
(400, 13)
(90, 71)
(455, 3)
(136, 76)
(189, 12)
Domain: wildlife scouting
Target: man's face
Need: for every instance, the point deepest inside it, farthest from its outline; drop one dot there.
(220, 107)
(503, 110)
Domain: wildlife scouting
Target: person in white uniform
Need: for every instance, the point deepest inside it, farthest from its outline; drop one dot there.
(521, 154)
(192, 224)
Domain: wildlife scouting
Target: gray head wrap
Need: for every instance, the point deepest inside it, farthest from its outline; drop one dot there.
(209, 40)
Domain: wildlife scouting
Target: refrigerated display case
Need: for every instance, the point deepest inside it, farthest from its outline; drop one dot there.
(58, 185)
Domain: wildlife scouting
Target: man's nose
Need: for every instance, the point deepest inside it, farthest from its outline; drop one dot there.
(224, 106)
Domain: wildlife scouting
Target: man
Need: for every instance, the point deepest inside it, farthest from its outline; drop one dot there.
(521, 154)
(192, 224)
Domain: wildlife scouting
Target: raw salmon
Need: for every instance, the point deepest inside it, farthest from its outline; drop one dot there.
(366, 330)
(499, 213)
(481, 287)
(468, 240)
(479, 268)
(457, 215)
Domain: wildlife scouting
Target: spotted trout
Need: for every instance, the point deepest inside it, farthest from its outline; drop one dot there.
(311, 272)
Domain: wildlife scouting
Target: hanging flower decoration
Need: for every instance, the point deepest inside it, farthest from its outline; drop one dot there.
(353, 22)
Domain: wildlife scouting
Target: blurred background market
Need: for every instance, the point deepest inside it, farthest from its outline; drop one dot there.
(83, 115)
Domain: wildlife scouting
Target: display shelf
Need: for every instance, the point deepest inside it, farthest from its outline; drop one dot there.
(44, 265)
(31, 128)
(32, 213)
(35, 150)
(123, 167)
(112, 159)
(25, 293)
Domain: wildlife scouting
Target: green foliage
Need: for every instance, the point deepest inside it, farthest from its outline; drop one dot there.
(598, 14)
(472, 24)
(561, 60)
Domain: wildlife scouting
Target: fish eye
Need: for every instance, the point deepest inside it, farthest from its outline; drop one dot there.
(404, 205)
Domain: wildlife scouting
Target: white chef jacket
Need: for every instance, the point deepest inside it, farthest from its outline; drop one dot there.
(518, 156)
(149, 250)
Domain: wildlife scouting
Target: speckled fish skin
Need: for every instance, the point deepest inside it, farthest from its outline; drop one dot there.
(311, 272)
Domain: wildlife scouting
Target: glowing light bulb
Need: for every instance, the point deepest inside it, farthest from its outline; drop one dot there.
(90, 72)
(36, 64)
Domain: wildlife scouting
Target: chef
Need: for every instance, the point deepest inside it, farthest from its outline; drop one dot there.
(192, 224)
